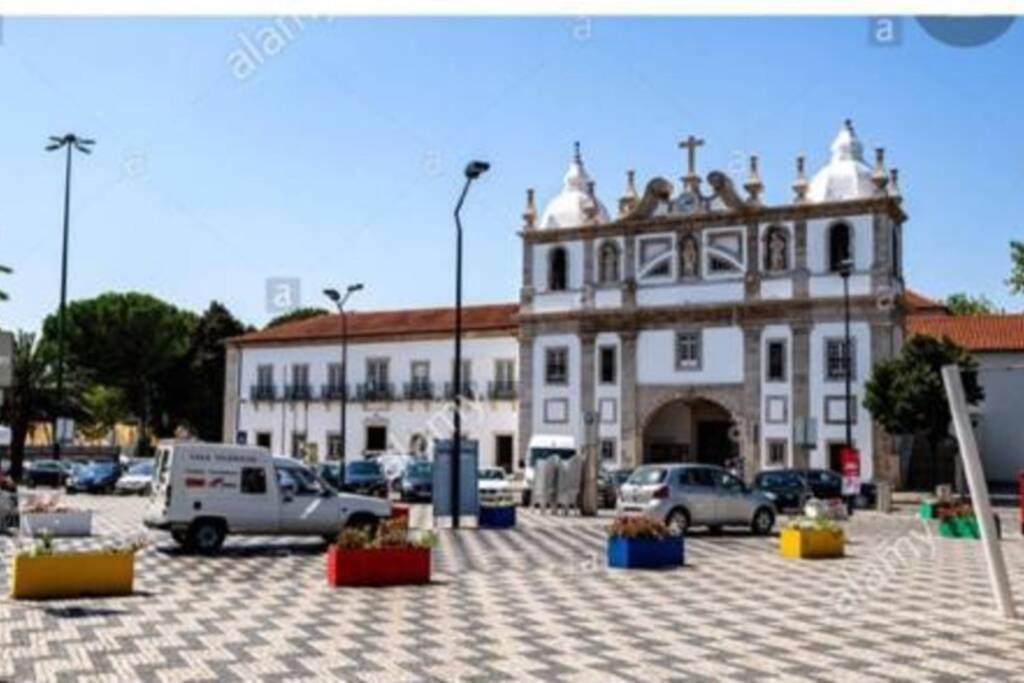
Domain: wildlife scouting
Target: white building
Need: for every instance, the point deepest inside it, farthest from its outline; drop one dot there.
(283, 384)
(704, 325)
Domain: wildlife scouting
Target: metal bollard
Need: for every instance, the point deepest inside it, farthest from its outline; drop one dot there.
(883, 497)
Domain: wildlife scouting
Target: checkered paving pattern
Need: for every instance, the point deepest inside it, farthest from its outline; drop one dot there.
(535, 603)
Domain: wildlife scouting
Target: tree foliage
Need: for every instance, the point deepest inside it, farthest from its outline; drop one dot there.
(906, 394)
(31, 399)
(296, 315)
(962, 303)
(104, 407)
(1016, 281)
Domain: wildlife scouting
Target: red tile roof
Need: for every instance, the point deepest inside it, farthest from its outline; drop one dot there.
(376, 324)
(973, 332)
(919, 303)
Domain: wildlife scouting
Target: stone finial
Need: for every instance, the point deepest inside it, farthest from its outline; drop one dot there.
(879, 177)
(629, 198)
(800, 185)
(894, 183)
(590, 210)
(530, 213)
(753, 185)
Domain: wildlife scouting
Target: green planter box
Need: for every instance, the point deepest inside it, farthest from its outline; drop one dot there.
(964, 527)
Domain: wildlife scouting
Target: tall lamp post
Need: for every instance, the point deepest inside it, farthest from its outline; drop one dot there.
(339, 301)
(845, 268)
(70, 141)
(474, 170)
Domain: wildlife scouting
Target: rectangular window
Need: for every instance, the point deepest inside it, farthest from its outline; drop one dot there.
(777, 453)
(263, 439)
(254, 480)
(334, 375)
(655, 257)
(265, 376)
(419, 371)
(835, 409)
(299, 445)
(300, 375)
(688, 350)
(556, 365)
(377, 372)
(608, 451)
(376, 438)
(836, 358)
(776, 362)
(505, 371)
(556, 410)
(334, 445)
(241, 438)
(607, 370)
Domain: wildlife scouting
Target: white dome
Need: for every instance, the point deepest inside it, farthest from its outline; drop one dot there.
(569, 208)
(846, 176)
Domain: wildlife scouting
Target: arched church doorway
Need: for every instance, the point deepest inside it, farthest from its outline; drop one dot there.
(685, 430)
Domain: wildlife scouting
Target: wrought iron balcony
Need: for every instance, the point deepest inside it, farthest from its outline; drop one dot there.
(502, 390)
(262, 392)
(468, 390)
(419, 390)
(375, 391)
(298, 392)
(332, 392)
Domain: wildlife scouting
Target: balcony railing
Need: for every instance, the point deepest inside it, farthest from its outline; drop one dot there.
(332, 392)
(375, 391)
(298, 392)
(501, 390)
(468, 390)
(262, 392)
(420, 390)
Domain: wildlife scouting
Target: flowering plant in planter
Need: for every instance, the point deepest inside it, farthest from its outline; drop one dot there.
(643, 543)
(41, 514)
(387, 556)
(42, 571)
(815, 535)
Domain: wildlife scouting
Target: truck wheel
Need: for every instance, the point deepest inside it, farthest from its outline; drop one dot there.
(205, 536)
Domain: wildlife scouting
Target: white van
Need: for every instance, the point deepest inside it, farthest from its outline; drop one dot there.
(202, 492)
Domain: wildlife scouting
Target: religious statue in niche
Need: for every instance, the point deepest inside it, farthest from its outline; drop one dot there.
(776, 251)
(688, 257)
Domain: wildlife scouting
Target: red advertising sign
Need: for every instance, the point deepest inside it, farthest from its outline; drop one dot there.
(849, 458)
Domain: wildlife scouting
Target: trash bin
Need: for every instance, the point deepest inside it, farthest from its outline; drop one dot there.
(883, 496)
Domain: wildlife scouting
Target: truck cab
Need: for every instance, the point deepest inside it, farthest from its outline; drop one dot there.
(204, 492)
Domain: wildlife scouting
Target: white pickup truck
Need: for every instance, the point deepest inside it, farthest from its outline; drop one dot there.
(202, 492)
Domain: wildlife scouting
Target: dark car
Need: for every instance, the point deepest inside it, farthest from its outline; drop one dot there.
(366, 477)
(417, 481)
(96, 477)
(43, 473)
(792, 487)
(608, 483)
(331, 473)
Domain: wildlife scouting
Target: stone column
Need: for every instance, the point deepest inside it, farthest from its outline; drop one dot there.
(751, 409)
(801, 274)
(752, 279)
(526, 394)
(232, 391)
(800, 385)
(630, 439)
(588, 413)
(629, 270)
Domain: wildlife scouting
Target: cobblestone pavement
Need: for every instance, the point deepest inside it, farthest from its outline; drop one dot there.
(536, 603)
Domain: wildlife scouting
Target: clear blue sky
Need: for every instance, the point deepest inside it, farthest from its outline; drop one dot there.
(339, 158)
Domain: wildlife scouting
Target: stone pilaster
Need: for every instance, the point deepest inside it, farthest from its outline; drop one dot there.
(881, 261)
(751, 410)
(801, 274)
(232, 392)
(800, 393)
(629, 270)
(629, 438)
(588, 413)
(752, 279)
(526, 394)
(884, 457)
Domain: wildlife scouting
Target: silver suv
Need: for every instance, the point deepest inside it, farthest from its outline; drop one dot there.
(695, 495)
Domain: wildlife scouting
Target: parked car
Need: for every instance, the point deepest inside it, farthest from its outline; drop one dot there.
(138, 480)
(331, 473)
(417, 481)
(203, 492)
(609, 481)
(365, 477)
(394, 466)
(43, 473)
(492, 483)
(791, 488)
(97, 477)
(685, 496)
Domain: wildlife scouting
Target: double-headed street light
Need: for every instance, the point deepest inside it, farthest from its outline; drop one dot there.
(474, 170)
(845, 269)
(70, 141)
(339, 301)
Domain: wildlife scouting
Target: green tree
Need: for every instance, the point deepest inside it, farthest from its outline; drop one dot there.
(296, 315)
(1016, 281)
(129, 341)
(962, 303)
(104, 407)
(905, 394)
(31, 398)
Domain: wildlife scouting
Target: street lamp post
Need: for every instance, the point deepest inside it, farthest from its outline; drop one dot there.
(474, 170)
(70, 141)
(844, 271)
(339, 301)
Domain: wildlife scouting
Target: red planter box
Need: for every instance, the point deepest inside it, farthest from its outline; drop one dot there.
(377, 566)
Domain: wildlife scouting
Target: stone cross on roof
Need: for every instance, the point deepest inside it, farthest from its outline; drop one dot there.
(691, 144)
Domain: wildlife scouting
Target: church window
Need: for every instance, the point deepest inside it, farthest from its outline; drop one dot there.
(556, 365)
(777, 453)
(840, 248)
(836, 359)
(688, 350)
(607, 368)
(776, 249)
(655, 257)
(724, 251)
(776, 362)
(558, 270)
(608, 263)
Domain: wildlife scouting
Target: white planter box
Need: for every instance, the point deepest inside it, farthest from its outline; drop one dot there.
(74, 523)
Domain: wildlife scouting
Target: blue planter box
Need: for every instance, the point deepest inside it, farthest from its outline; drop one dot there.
(645, 553)
(497, 517)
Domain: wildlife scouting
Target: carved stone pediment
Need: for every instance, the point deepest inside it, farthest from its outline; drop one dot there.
(657, 193)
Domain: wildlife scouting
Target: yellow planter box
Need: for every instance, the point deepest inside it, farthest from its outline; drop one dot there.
(811, 543)
(72, 575)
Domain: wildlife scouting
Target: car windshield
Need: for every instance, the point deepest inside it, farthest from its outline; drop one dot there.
(420, 469)
(646, 476)
(99, 468)
(491, 474)
(364, 468)
(304, 481)
(142, 469)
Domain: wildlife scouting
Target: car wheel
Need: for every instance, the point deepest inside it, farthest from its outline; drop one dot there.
(678, 521)
(205, 536)
(764, 520)
(715, 530)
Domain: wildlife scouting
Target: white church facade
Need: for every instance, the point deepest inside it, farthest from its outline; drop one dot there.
(696, 324)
